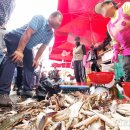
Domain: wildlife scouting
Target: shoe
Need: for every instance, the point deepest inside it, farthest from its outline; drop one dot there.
(19, 91)
(5, 100)
(15, 98)
(28, 93)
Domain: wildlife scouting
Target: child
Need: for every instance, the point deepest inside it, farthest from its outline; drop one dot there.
(119, 29)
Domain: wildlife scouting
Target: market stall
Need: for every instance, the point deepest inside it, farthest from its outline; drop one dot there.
(100, 104)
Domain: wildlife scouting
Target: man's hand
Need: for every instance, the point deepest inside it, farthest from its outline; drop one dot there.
(35, 63)
(38, 56)
(17, 56)
(5, 50)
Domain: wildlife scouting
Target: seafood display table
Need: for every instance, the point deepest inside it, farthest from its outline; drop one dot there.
(73, 88)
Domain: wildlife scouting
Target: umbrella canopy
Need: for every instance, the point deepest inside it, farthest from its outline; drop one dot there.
(84, 21)
(90, 29)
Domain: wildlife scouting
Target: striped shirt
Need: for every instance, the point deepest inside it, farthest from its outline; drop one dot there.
(6, 8)
(43, 32)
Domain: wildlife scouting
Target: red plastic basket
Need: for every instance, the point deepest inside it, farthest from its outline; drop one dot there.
(126, 87)
(101, 77)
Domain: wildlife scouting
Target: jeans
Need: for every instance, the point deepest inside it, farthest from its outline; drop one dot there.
(79, 71)
(7, 67)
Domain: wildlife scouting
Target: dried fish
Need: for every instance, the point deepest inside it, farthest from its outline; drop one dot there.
(88, 113)
(71, 111)
(97, 125)
(70, 99)
(75, 121)
(75, 108)
(86, 122)
(10, 122)
(69, 123)
(108, 121)
(27, 102)
(63, 125)
(123, 112)
(113, 107)
(124, 105)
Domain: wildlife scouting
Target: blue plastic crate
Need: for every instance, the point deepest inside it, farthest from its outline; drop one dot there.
(73, 88)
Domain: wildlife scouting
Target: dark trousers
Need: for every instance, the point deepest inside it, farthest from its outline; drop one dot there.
(126, 67)
(7, 68)
(79, 71)
(36, 78)
(19, 78)
(94, 66)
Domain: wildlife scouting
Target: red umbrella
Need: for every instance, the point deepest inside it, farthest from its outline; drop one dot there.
(87, 24)
(66, 46)
(80, 19)
(87, 28)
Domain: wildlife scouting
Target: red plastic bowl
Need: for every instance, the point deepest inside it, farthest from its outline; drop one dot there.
(126, 87)
(101, 77)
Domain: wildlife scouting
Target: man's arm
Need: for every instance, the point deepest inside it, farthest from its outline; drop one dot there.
(116, 47)
(38, 55)
(34, 25)
(25, 38)
(114, 41)
(18, 54)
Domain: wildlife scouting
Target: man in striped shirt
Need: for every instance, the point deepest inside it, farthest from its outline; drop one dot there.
(19, 45)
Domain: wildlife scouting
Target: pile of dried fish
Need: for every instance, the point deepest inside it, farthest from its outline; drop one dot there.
(73, 111)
